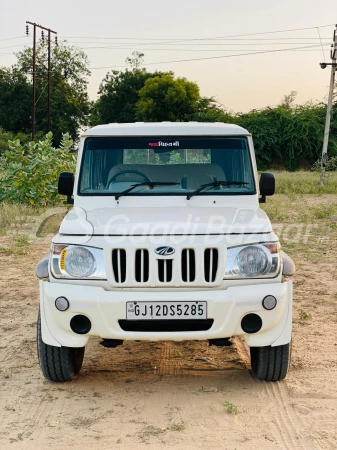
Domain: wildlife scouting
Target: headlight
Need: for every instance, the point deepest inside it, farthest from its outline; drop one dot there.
(79, 262)
(253, 261)
(75, 261)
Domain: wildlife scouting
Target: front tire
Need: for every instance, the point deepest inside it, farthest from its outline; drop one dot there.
(270, 363)
(58, 364)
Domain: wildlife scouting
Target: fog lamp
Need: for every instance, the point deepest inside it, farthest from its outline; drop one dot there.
(269, 302)
(61, 304)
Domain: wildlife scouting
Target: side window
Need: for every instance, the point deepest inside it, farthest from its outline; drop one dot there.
(93, 170)
(86, 171)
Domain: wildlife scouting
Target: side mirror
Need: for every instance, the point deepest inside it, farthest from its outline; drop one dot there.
(66, 185)
(267, 186)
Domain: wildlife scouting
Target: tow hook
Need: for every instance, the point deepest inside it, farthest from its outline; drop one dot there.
(111, 343)
(222, 342)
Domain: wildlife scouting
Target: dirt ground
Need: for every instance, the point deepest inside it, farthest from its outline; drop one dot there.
(172, 395)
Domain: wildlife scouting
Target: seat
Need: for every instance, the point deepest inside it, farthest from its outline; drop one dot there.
(190, 175)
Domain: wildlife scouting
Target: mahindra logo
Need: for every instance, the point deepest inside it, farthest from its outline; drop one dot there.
(164, 144)
(164, 251)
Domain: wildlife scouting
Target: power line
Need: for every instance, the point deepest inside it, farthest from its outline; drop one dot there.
(42, 92)
(178, 42)
(12, 46)
(213, 57)
(218, 43)
(208, 50)
(319, 34)
(201, 44)
(12, 38)
(202, 39)
(283, 31)
(5, 54)
(197, 50)
(198, 45)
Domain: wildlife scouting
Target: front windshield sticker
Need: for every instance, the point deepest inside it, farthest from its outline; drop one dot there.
(164, 144)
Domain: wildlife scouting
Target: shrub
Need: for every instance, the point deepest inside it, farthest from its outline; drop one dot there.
(330, 166)
(29, 172)
(6, 136)
(288, 136)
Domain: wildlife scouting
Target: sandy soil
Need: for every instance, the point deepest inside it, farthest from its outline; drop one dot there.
(169, 395)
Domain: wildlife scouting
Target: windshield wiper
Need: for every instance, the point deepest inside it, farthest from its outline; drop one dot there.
(150, 184)
(216, 184)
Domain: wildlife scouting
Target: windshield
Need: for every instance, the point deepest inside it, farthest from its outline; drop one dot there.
(166, 166)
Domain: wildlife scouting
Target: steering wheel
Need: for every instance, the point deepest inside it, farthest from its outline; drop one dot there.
(122, 172)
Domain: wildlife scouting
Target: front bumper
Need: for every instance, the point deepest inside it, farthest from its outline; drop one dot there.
(105, 308)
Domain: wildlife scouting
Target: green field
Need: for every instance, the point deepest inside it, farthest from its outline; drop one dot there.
(304, 182)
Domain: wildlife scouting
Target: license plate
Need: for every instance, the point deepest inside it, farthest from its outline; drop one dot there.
(166, 310)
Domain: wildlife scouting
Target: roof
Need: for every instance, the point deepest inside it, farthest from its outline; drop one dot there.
(167, 129)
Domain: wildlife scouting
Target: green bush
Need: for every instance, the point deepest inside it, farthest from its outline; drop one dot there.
(6, 136)
(330, 166)
(29, 172)
(288, 136)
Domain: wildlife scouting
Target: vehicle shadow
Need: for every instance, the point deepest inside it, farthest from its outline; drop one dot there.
(188, 362)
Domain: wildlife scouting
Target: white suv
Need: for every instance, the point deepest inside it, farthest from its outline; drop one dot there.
(166, 241)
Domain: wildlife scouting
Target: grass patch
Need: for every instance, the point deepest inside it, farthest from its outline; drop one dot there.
(18, 218)
(177, 427)
(304, 315)
(20, 245)
(277, 209)
(13, 216)
(81, 422)
(230, 408)
(6, 251)
(304, 182)
(323, 211)
(149, 431)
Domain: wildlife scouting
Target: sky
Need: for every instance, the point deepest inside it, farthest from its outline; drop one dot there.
(180, 30)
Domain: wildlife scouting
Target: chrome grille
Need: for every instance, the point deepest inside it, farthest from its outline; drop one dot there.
(210, 264)
(119, 264)
(188, 265)
(165, 270)
(142, 266)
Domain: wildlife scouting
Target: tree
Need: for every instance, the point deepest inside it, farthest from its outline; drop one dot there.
(286, 135)
(119, 93)
(289, 99)
(136, 61)
(166, 98)
(15, 101)
(69, 99)
(118, 96)
(130, 95)
(207, 111)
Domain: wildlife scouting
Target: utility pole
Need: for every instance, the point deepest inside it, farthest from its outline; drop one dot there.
(333, 65)
(35, 25)
(49, 78)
